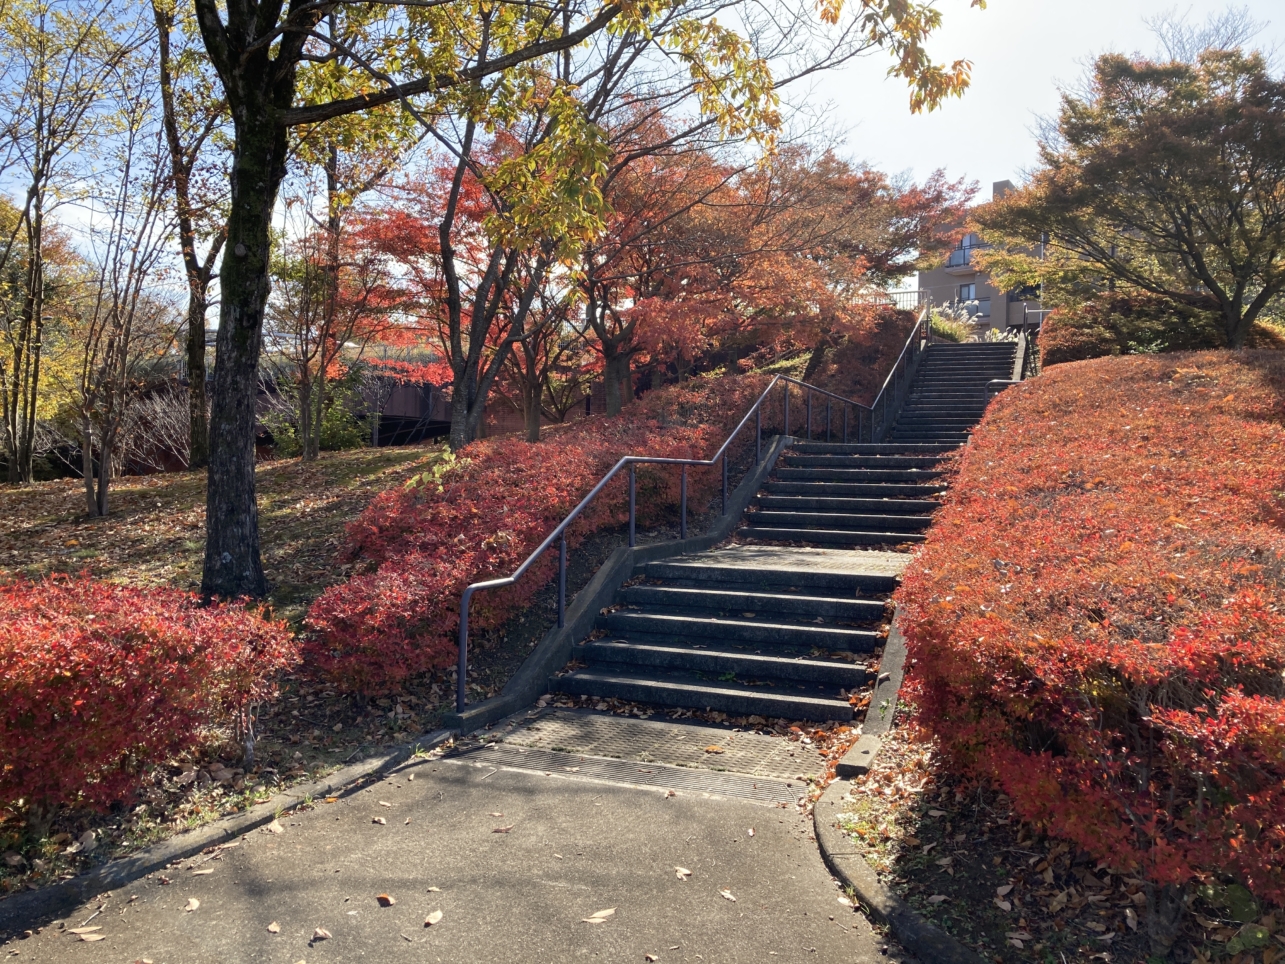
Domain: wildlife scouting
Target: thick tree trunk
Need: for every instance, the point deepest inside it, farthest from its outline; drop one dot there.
(232, 563)
(198, 449)
(460, 435)
(616, 382)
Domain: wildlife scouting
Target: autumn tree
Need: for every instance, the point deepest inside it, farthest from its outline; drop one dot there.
(57, 57)
(1165, 178)
(194, 117)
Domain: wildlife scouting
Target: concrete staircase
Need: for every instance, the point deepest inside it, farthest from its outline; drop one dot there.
(784, 623)
(948, 395)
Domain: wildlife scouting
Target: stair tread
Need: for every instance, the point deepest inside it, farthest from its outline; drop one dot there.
(697, 686)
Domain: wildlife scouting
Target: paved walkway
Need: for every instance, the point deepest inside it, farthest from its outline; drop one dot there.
(514, 860)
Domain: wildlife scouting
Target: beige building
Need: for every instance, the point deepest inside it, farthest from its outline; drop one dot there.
(958, 282)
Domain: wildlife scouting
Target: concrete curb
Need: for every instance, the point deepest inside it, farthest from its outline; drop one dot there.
(926, 941)
(531, 681)
(26, 910)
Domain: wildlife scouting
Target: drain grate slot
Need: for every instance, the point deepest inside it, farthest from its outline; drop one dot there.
(631, 772)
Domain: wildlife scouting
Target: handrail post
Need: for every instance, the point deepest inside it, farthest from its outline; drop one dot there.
(827, 418)
(463, 664)
(562, 580)
(682, 511)
(786, 386)
(809, 415)
(724, 483)
(633, 488)
(758, 434)
(846, 407)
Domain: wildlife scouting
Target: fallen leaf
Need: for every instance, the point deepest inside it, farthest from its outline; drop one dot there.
(84, 930)
(274, 928)
(937, 898)
(92, 937)
(338, 727)
(751, 831)
(936, 813)
(202, 873)
(433, 918)
(385, 900)
(1003, 905)
(650, 957)
(274, 827)
(407, 824)
(503, 829)
(727, 895)
(928, 847)
(192, 904)
(597, 917)
(434, 890)
(384, 803)
(381, 821)
(670, 793)
(321, 934)
(713, 749)
(1003, 891)
(497, 814)
(683, 873)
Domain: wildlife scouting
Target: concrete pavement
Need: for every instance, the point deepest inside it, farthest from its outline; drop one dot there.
(572, 848)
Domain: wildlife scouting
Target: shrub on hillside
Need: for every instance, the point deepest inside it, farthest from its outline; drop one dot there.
(1097, 627)
(98, 681)
(421, 544)
(1133, 324)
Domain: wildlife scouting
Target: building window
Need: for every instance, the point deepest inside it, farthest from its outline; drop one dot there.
(967, 292)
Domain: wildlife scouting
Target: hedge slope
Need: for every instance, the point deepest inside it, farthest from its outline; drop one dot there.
(1096, 620)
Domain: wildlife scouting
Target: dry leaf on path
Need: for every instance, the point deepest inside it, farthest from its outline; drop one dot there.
(192, 904)
(433, 918)
(386, 900)
(650, 957)
(713, 749)
(1003, 891)
(682, 872)
(274, 928)
(202, 873)
(751, 831)
(937, 898)
(497, 814)
(727, 895)
(1003, 904)
(92, 937)
(321, 934)
(434, 890)
(599, 917)
(274, 827)
(384, 803)
(84, 930)
(503, 829)
(381, 821)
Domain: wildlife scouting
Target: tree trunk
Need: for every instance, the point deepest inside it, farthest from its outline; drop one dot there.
(232, 563)
(460, 435)
(815, 359)
(616, 382)
(1164, 916)
(304, 411)
(104, 474)
(87, 466)
(198, 447)
(531, 411)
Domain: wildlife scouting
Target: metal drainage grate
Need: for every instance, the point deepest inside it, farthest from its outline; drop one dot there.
(631, 773)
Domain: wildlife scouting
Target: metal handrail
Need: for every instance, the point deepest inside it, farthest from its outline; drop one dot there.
(559, 534)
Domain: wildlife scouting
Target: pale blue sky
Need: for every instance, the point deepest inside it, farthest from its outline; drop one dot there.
(1021, 51)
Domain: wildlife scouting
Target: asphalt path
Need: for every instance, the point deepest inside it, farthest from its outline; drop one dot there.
(517, 863)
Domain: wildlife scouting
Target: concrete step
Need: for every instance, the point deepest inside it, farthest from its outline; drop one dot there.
(683, 629)
(867, 448)
(876, 506)
(697, 694)
(671, 598)
(855, 475)
(838, 521)
(721, 662)
(695, 571)
(884, 490)
(828, 537)
(837, 461)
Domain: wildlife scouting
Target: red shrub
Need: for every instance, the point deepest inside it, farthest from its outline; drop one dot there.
(99, 680)
(1096, 619)
(495, 506)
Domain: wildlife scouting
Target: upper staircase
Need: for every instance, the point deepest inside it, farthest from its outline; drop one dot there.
(784, 624)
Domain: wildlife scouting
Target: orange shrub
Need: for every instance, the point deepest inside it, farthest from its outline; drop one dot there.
(1096, 620)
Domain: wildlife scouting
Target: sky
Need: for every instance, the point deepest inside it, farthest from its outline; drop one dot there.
(1022, 51)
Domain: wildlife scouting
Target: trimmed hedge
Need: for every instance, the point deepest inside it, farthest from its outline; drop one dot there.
(99, 681)
(1096, 621)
